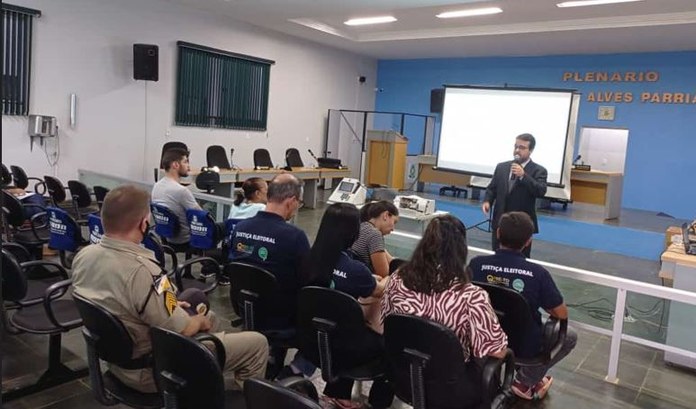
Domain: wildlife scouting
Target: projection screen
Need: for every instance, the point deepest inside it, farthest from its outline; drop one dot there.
(479, 126)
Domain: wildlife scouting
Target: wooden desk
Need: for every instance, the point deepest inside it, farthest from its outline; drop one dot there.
(426, 174)
(681, 268)
(597, 187)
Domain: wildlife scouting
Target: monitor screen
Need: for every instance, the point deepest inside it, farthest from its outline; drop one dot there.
(346, 187)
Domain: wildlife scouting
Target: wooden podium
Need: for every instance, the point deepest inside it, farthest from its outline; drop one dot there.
(597, 187)
(386, 159)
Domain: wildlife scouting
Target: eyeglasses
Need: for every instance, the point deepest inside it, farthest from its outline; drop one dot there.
(521, 147)
(300, 202)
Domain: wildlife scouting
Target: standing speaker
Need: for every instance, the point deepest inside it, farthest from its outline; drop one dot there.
(437, 100)
(145, 62)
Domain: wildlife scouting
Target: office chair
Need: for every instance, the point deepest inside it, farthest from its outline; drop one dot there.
(208, 180)
(99, 194)
(167, 146)
(516, 318)
(81, 199)
(14, 215)
(21, 180)
(427, 367)
(262, 159)
(299, 394)
(215, 155)
(293, 159)
(65, 235)
(108, 340)
(96, 230)
(52, 315)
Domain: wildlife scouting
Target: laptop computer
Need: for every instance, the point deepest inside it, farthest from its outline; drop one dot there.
(689, 246)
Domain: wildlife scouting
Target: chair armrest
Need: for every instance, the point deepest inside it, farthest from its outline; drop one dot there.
(491, 377)
(19, 247)
(168, 251)
(63, 272)
(172, 384)
(219, 347)
(553, 336)
(52, 293)
(178, 272)
(300, 385)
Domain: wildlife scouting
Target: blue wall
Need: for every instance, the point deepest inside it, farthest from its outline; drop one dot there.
(661, 157)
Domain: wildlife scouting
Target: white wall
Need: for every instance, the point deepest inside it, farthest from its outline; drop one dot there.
(85, 47)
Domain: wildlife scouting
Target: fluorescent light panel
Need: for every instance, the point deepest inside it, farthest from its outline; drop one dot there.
(470, 12)
(370, 20)
(582, 3)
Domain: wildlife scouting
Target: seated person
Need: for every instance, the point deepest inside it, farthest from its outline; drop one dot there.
(435, 285)
(378, 219)
(268, 241)
(30, 200)
(514, 233)
(123, 277)
(331, 266)
(252, 199)
(169, 192)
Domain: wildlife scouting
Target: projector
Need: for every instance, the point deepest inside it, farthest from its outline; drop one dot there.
(415, 204)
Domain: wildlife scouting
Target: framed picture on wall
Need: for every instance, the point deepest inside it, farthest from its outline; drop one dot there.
(606, 112)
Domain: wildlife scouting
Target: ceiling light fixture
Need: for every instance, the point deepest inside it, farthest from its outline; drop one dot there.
(470, 12)
(582, 3)
(369, 20)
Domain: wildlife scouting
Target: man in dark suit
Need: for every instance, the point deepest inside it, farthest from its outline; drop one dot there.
(515, 186)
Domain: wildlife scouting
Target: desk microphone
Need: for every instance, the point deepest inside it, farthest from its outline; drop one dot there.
(577, 159)
(313, 156)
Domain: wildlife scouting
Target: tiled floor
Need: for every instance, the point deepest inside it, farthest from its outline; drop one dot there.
(645, 381)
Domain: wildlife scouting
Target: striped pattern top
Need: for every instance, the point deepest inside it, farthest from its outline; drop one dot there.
(369, 241)
(466, 309)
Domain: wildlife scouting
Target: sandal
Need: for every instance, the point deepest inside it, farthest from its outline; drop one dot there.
(342, 403)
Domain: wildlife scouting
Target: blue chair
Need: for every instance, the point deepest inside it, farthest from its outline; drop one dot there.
(204, 234)
(96, 230)
(167, 226)
(152, 242)
(65, 235)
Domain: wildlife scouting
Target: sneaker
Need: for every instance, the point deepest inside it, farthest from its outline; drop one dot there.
(522, 391)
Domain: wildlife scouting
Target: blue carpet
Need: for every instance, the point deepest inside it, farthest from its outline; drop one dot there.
(610, 239)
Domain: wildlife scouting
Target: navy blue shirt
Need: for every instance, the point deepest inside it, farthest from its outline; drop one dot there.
(353, 277)
(511, 269)
(268, 241)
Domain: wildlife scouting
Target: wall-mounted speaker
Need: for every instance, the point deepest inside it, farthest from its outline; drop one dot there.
(437, 100)
(145, 62)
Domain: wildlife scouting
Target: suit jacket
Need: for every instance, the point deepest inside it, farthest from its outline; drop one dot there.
(522, 196)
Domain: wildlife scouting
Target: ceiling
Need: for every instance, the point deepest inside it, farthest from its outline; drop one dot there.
(525, 27)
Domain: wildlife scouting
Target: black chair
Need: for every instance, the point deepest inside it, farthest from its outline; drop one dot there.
(154, 243)
(50, 316)
(34, 236)
(82, 200)
(254, 294)
(333, 335)
(173, 144)
(216, 156)
(99, 194)
(208, 180)
(262, 159)
(516, 318)
(6, 177)
(427, 367)
(58, 197)
(108, 340)
(39, 276)
(298, 393)
(190, 374)
(21, 180)
(293, 159)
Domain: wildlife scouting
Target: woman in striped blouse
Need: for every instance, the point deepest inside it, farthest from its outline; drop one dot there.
(435, 285)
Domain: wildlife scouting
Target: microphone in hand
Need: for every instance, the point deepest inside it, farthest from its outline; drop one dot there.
(515, 164)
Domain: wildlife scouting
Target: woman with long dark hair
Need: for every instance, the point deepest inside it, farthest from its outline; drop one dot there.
(377, 220)
(250, 200)
(332, 266)
(435, 285)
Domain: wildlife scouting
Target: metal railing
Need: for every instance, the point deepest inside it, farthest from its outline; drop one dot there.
(622, 287)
